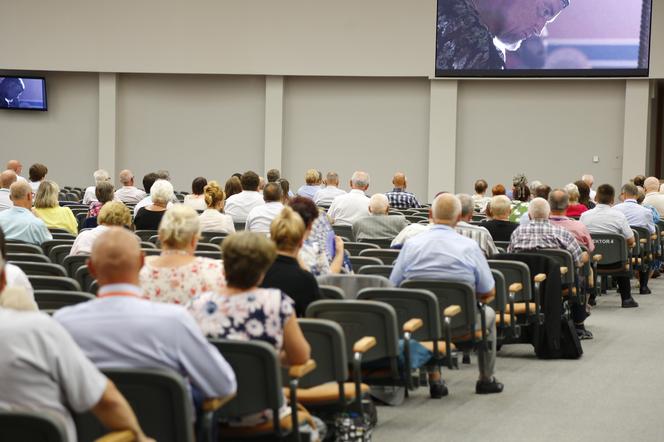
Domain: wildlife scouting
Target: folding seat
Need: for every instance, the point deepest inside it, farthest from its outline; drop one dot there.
(148, 245)
(209, 234)
(352, 284)
(29, 257)
(31, 426)
(145, 235)
(345, 231)
(56, 230)
(54, 283)
(48, 245)
(52, 300)
(40, 268)
(239, 226)
(207, 247)
(72, 263)
(58, 254)
(218, 240)
(381, 270)
(354, 248)
(416, 218)
(358, 261)
(21, 247)
(383, 243)
(615, 256)
(63, 235)
(331, 292)
(84, 278)
(388, 256)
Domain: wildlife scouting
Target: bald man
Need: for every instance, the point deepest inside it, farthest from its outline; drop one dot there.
(653, 197)
(17, 168)
(128, 193)
(379, 224)
(18, 222)
(442, 253)
(7, 178)
(121, 329)
(398, 197)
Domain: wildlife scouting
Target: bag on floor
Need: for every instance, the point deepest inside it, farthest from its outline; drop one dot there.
(569, 346)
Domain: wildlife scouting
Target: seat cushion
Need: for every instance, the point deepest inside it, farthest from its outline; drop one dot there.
(442, 346)
(326, 393)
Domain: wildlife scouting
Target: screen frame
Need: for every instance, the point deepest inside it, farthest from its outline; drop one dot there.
(30, 109)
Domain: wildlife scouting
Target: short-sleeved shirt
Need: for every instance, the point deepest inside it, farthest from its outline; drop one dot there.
(480, 235)
(260, 217)
(326, 195)
(541, 234)
(239, 205)
(636, 214)
(348, 208)
(576, 228)
(214, 220)
(378, 226)
(20, 224)
(148, 219)
(441, 253)
(605, 219)
(308, 191)
(129, 194)
(656, 200)
(286, 275)
(400, 199)
(43, 370)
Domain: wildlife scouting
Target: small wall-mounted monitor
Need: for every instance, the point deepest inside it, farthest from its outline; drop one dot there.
(23, 93)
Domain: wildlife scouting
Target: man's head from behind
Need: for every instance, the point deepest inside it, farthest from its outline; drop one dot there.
(148, 181)
(116, 257)
(273, 175)
(588, 179)
(467, 206)
(272, 193)
(651, 184)
(250, 181)
(21, 194)
(379, 204)
(629, 191)
(359, 180)
(127, 177)
(399, 180)
(312, 177)
(332, 179)
(558, 201)
(7, 178)
(15, 165)
(539, 209)
(446, 209)
(481, 186)
(500, 207)
(605, 194)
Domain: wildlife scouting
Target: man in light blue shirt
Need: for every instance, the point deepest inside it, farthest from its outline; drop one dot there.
(442, 253)
(313, 179)
(18, 222)
(325, 195)
(120, 329)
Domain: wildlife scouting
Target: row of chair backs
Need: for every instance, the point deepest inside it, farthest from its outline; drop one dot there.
(31, 426)
(515, 272)
(328, 349)
(613, 249)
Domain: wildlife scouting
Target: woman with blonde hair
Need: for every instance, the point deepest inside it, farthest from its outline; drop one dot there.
(212, 219)
(288, 231)
(575, 209)
(114, 213)
(48, 208)
(177, 275)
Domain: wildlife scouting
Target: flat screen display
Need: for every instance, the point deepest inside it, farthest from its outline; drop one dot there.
(23, 93)
(543, 38)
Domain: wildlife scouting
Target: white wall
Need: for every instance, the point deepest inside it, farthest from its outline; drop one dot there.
(346, 124)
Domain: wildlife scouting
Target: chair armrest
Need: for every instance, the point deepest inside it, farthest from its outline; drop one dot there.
(213, 404)
(413, 325)
(515, 287)
(540, 277)
(298, 371)
(452, 310)
(118, 436)
(364, 345)
(597, 258)
(564, 270)
(643, 240)
(653, 236)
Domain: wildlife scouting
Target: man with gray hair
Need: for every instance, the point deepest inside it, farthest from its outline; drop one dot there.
(379, 224)
(19, 223)
(499, 226)
(441, 253)
(128, 193)
(589, 180)
(477, 233)
(100, 176)
(7, 178)
(653, 197)
(348, 208)
(327, 194)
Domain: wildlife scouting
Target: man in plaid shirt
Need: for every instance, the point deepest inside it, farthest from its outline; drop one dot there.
(398, 197)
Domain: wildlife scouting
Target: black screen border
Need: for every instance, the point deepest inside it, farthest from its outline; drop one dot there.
(29, 109)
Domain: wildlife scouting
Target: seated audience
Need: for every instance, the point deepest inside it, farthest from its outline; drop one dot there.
(520, 198)
(212, 219)
(260, 217)
(100, 176)
(286, 194)
(48, 208)
(19, 223)
(196, 199)
(273, 175)
(14, 276)
(112, 214)
(441, 253)
(584, 194)
(653, 197)
(177, 275)
(120, 329)
(480, 200)
(43, 370)
(378, 224)
(499, 225)
(498, 189)
(17, 168)
(605, 219)
(323, 251)
(128, 193)
(477, 233)
(313, 184)
(239, 205)
(232, 186)
(575, 208)
(149, 217)
(243, 311)
(7, 178)
(398, 197)
(288, 231)
(37, 174)
(558, 202)
(148, 181)
(104, 193)
(348, 208)
(589, 180)
(639, 181)
(327, 194)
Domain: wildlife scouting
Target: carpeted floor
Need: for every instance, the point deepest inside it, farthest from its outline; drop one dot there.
(613, 393)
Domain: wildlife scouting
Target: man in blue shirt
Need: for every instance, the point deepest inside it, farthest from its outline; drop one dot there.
(18, 222)
(441, 253)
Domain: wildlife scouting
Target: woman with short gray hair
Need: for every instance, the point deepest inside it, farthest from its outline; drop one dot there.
(149, 217)
(575, 208)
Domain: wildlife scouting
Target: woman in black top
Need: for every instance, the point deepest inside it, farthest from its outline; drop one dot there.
(149, 217)
(287, 231)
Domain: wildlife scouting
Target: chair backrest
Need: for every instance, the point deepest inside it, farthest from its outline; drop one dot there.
(564, 259)
(51, 300)
(644, 233)
(341, 230)
(416, 218)
(515, 271)
(331, 292)
(328, 349)
(383, 243)
(54, 283)
(160, 399)
(388, 256)
(502, 244)
(145, 234)
(354, 248)
(612, 247)
(21, 247)
(358, 261)
(207, 235)
(359, 319)
(72, 263)
(382, 270)
(27, 257)
(48, 245)
(351, 284)
(207, 247)
(409, 304)
(218, 240)
(239, 226)
(41, 268)
(56, 230)
(33, 427)
(258, 376)
(63, 235)
(59, 253)
(208, 253)
(148, 245)
(451, 293)
(500, 301)
(84, 278)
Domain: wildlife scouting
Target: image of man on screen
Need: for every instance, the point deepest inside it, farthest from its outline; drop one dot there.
(10, 90)
(468, 30)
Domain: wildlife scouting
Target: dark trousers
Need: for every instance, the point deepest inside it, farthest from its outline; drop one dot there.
(624, 287)
(643, 278)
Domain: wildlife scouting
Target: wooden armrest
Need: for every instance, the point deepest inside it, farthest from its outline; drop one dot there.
(564, 270)
(364, 345)
(643, 240)
(653, 236)
(118, 436)
(216, 403)
(597, 258)
(413, 325)
(452, 310)
(298, 371)
(516, 287)
(539, 277)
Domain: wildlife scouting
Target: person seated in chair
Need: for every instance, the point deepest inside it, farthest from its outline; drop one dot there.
(113, 213)
(19, 223)
(149, 217)
(378, 224)
(398, 197)
(480, 200)
(121, 329)
(327, 194)
(213, 219)
(441, 253)
(260, 217)
(37, 174)
(478, 234)
(346, 209)
(48, 208)
(313, 181)
(128, 193)
(499, 226)
(239, 205)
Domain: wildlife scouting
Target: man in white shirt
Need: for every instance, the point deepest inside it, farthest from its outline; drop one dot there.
(327, 194)
(653, 197)
(239, 205)
(348, 208)
(260, 217)
(100, 176)
(128, 193)
(17, 167)
(7, 178)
